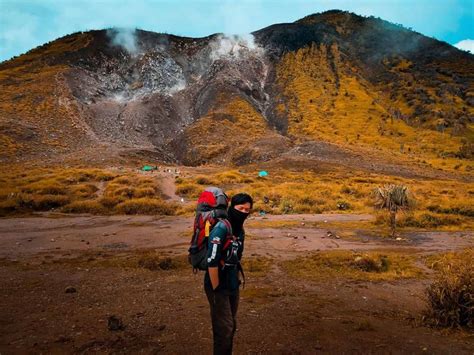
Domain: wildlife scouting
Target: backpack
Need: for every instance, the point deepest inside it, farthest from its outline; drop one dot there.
(211, 208)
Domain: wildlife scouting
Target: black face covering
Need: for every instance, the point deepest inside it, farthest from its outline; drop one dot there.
(236, 219)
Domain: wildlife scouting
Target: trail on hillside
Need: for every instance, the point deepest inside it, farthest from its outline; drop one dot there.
(168, 186)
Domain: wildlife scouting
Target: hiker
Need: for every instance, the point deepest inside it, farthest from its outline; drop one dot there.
(222, 281)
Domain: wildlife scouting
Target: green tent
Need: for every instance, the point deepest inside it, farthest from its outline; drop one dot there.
(148, 168)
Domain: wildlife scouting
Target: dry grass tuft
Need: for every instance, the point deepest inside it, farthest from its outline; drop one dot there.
(40, 202)
(87, 206)
(371, 263)
(364, 325)
(145, 205)
(84, 190)
(189, 190)
(451, 296)
(204, 180)
(421, 219)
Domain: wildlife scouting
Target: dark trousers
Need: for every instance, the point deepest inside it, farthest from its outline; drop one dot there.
(223, 316)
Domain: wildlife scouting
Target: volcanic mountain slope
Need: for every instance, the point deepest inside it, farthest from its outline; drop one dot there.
(353, 84)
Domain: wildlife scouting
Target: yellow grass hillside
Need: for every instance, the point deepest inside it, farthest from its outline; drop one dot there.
(328, 99)
(37, 111)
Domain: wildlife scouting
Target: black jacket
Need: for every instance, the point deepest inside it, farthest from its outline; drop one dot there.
(228, 274)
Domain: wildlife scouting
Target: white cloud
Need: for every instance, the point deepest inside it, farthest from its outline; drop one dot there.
(466, 45)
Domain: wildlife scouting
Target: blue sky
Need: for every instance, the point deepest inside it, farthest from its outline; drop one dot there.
(25, 24)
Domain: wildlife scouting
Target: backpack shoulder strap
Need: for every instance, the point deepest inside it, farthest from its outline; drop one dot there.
(229, 237)
(227, 225)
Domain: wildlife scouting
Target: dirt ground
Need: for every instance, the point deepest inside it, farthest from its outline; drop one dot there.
(166, 310)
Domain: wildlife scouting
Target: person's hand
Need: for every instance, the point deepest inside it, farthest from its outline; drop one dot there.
(214, 277)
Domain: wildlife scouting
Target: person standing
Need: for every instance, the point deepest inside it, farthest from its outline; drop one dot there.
(222, 281)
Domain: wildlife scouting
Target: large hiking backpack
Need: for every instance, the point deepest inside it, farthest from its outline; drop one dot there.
(211, 207)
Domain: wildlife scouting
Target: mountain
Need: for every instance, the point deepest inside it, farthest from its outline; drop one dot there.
(332, 86)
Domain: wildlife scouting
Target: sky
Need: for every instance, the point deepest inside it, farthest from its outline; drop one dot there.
(25, 24)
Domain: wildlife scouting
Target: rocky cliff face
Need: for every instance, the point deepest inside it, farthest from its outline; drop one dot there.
(336, 77)
(150, 96)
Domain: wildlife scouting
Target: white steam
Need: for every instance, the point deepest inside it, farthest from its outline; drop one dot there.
(120, 97)
(158, 72)
(234, 46)
(180, 85)
(125, 38)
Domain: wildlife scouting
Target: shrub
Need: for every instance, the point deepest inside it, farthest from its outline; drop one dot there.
(421, 220)
(393, 198)
(45, 187)
(308, 200)
(229, 177)
(87, 206)
(186, 209)
(346, 190)
(429, 220)
(125, 191)
(371, 263)
(146, 183)
(123, 180)
(247, 180)
(286, 206)
(8, 206)
(84, 190)
(450, 297)
(145, 205)
(42, 202)
(460, 210)
(466, 151)
(110, 201)
(188, 190)
(145, 192)
(343, 205)
(204, 180)
(83, 175)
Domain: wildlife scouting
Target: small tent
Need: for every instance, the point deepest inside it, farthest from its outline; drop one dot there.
(148, 168)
